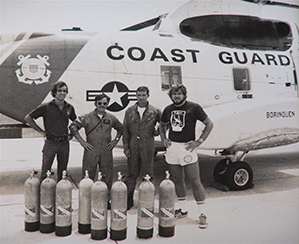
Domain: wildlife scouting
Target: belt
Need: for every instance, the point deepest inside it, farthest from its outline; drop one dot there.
(57, 138)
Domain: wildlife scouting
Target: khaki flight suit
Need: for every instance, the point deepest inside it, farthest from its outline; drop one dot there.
(98, 133)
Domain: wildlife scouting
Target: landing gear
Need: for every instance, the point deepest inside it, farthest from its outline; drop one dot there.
(238, 176)
(220, 170)
(235, 174)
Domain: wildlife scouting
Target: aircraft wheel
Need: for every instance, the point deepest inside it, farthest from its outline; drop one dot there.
(238, 176)
(220, 170)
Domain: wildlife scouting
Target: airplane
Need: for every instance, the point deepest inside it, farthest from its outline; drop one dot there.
(237, 58)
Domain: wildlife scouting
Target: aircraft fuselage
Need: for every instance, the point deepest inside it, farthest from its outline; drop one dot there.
(248, 94)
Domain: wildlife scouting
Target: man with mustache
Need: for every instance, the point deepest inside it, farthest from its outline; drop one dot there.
(98, 147)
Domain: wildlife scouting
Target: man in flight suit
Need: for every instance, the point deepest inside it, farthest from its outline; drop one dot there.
(98, 125)
(138, 139)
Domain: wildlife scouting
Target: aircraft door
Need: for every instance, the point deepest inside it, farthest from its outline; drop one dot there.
(295, 74)
(296, 81)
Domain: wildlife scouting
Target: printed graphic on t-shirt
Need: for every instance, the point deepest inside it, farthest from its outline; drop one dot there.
(177, 120)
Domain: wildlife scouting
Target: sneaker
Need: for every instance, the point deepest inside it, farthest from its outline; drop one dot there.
(202, 221)
(179, 214)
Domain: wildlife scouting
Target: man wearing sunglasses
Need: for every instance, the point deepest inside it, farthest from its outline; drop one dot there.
(98, 146)
(56, 115)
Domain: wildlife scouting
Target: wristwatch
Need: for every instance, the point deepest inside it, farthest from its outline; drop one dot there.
(117, 138)
(200, 140)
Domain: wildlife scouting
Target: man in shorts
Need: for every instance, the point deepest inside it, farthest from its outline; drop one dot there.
(181, 117)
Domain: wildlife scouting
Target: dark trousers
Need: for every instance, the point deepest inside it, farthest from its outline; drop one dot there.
(50, 150)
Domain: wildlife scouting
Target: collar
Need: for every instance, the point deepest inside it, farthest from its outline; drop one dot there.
(96, 113)
(53, 102)
(136, 106)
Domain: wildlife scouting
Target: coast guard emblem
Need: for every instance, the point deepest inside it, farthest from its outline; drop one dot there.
(33, 69)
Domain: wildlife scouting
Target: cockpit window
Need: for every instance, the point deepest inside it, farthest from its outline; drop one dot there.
(239, 32)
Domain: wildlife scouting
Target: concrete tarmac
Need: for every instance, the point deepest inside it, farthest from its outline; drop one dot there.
(267, 213)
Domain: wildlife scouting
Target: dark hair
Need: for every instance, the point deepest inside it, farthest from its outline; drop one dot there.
(100, 97)
(176, 88)
(143, 88)
(57, 85)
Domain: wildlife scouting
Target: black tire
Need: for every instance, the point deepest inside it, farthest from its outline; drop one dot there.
(238, 176)
(220, 170)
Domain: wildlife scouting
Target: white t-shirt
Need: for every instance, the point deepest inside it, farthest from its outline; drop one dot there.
(141, 110)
